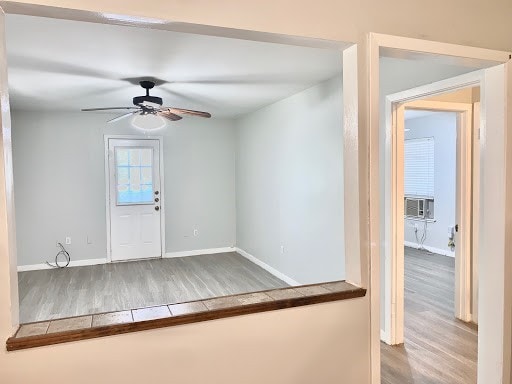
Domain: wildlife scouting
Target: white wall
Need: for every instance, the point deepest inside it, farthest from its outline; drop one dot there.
(60, 183)
(326, 343)
(290, 184)
(442, 127)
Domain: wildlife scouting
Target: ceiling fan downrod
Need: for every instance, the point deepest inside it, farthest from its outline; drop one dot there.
(140, 100)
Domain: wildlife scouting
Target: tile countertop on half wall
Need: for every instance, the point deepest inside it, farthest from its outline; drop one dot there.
(105, 324)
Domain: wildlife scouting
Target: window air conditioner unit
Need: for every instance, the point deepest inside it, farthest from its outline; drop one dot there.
(415, 208)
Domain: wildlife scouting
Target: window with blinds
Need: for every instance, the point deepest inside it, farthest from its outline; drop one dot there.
(419, 167)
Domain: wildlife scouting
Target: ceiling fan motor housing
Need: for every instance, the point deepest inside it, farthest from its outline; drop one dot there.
(147, 85)
(137, 100)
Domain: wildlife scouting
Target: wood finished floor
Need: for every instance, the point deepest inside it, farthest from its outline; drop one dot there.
(57, 293)
(438, 348)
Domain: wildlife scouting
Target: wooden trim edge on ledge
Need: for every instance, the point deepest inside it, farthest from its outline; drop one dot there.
(16, 343)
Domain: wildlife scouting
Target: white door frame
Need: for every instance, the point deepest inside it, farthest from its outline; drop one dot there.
(107, 188)
(495, 240)
(395, 105)
(475, 230)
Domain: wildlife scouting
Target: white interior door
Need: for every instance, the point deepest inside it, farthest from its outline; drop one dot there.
(134, 198)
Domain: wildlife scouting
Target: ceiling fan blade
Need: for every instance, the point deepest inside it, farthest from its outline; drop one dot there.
(124, 115)
(106, 109)
(187, 112)
(169, 115)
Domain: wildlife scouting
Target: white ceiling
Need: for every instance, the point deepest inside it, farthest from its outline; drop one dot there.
(68, 65)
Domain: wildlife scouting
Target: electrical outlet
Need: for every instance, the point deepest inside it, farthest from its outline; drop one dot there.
(68, 240)
(282, 249)
(196, 232)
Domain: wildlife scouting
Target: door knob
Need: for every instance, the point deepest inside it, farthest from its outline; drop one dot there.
(157, 208)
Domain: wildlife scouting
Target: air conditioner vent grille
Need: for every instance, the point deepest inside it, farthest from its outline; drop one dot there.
(415, 208)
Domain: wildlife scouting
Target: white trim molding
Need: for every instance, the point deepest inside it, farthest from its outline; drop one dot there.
(72, 263)
(438, 251)
(198, 252)
(268, 268)
(82, 263)
(385, 337)
(395, 105)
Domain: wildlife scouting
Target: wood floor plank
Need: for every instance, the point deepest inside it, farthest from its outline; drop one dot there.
(438, 348)
(57, 293)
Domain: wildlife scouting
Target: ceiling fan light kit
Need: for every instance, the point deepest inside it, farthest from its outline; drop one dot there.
(148, 122)
(148, 105)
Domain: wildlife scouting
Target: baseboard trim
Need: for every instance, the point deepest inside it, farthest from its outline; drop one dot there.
(268, 268)
(73, 263)
(384, 337)
(197, 252)
(81, 263)
(439, 251)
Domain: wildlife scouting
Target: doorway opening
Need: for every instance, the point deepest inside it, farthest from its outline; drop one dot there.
(435, 257)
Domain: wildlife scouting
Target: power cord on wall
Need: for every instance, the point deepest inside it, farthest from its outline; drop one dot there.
(62, 252)
(421, 241)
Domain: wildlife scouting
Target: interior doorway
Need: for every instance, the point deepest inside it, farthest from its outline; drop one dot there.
(134, 198)
(434, 257)
(420, 193)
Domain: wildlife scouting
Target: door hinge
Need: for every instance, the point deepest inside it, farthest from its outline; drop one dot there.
(456, 227)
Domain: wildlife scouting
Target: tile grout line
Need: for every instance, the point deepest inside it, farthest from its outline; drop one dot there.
(47, 327)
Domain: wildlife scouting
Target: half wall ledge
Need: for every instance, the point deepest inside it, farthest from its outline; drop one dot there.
(69, 329)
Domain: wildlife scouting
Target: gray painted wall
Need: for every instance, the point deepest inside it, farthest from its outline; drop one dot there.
(289, 174)
(443, 128)
(59, 183)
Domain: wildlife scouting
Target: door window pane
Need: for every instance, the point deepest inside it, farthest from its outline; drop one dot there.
(122, 156)
(134, 170)
(123, 175)
(146, 157)
(134, 156)
(146, 175)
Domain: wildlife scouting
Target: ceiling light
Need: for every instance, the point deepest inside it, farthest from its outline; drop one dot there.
(148, 122)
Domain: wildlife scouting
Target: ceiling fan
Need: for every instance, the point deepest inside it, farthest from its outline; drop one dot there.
(150, 105)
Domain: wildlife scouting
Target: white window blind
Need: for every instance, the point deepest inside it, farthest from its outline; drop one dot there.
(419, 167)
